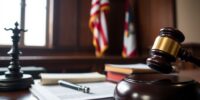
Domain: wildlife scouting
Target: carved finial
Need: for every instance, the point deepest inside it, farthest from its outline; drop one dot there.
(15, 30)
(16, 24)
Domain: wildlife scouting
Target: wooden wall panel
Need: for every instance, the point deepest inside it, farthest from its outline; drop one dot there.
(153, 15)
(85, 35)
(70, 63)
(116, 27)
(66, 23)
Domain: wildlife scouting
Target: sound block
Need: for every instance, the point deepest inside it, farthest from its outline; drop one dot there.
(13, 84)
(156, 87)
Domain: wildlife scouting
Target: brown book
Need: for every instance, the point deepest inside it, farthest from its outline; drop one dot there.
(128, 68)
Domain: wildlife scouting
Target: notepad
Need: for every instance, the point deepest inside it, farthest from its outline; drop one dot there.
(52, 78)
(55, 92)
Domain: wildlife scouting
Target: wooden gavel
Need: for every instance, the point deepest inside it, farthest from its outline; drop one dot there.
(155, 86)
(167, 48)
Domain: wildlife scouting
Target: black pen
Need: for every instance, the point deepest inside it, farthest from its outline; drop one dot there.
(74, 86)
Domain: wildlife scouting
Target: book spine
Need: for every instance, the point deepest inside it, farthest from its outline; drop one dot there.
(119, 70)
(115, 77)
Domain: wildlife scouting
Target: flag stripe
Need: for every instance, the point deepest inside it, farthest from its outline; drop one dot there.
(103, 28)
(98, 25)
(129, 44)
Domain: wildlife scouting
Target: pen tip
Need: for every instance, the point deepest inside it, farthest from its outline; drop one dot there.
(86, 90)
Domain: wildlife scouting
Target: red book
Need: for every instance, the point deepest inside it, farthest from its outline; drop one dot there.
(115, 77)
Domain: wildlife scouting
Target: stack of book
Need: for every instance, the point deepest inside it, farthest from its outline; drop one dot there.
(117, 72)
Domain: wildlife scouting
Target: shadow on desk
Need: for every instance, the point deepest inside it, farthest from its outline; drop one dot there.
(25, 95)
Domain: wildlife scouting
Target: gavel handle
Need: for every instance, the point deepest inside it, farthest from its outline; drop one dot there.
(194, 60)
(187, 56)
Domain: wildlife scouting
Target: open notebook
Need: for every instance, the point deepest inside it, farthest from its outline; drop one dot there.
(55, 92)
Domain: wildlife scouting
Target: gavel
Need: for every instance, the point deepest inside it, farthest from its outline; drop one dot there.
(167, 48)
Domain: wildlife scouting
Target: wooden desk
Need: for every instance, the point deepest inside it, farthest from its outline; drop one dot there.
(26, 95)
(17, 95)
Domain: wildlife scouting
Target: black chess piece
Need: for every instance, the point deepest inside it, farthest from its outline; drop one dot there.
(14, 79)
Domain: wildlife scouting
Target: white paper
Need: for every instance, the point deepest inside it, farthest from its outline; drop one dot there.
(56, 92)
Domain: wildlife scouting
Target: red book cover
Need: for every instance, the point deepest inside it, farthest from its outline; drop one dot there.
(115, 77)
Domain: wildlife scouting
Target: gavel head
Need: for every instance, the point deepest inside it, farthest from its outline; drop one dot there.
(165, 49)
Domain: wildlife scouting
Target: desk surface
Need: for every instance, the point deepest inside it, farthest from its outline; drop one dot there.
(26, 94)
(17, 95)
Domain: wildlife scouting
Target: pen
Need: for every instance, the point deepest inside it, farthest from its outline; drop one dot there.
(74, 86)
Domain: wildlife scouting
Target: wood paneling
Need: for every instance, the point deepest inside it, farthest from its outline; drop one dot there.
(85, 35)
(71, 25)
(71, 63)
(65, 23)
(116, 26)
(153, 15)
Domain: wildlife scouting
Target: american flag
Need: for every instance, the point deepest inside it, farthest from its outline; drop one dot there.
(129, 42)
(98, 25)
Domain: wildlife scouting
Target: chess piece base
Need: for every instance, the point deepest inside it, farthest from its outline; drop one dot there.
(13, 84)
